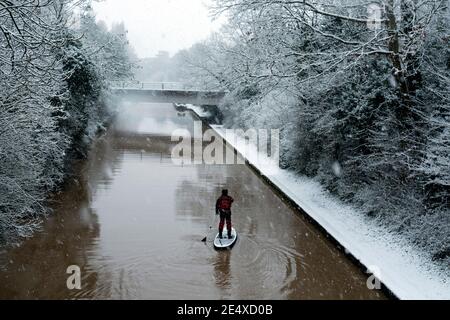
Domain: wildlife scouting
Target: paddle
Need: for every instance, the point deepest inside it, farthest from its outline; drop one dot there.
(210, 227)
(204, 239)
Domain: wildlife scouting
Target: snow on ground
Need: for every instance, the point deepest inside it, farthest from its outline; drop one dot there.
(402, 268)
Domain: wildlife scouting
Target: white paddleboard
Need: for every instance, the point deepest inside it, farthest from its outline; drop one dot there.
(225, 242)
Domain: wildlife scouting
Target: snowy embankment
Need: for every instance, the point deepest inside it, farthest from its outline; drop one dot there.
(399, 266)
(198, 110)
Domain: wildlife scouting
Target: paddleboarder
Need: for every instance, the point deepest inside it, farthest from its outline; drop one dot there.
(223, 208)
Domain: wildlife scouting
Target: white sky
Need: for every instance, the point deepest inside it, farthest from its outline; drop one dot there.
(155, 25)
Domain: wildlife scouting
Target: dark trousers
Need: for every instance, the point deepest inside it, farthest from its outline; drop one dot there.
(225, 216)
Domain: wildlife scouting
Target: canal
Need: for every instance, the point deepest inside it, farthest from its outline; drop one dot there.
(133, 221)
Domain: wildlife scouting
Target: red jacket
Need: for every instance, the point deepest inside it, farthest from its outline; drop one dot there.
(224, 203)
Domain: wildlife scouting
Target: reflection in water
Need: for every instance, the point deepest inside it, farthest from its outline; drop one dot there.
(133, 221)
(37, 268)
(222, 272)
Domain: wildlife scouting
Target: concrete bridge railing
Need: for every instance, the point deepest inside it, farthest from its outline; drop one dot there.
(177, 86)
(166, 92)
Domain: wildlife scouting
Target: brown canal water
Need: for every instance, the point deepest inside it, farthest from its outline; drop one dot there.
(133, 222)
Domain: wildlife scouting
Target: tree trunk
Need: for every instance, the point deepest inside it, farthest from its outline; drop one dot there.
(394, 46)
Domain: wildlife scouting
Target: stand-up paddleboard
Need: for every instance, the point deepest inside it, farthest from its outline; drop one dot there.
(225, 242)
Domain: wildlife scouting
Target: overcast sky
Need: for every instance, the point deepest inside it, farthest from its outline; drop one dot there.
(155, 25)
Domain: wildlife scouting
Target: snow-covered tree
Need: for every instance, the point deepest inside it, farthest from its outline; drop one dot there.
(51, 102)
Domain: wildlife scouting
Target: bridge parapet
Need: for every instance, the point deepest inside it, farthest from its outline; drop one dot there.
(163, 86)
(146, 94)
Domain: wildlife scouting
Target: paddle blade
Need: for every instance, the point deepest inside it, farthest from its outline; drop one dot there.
(204, 239)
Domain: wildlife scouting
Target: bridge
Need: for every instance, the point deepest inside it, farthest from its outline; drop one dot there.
(166, 92)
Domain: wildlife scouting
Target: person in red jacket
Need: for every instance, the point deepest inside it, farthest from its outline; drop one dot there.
(223, 208)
